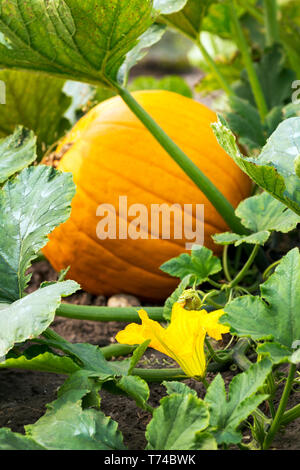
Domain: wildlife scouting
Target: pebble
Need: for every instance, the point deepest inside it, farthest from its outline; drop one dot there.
(123, 300)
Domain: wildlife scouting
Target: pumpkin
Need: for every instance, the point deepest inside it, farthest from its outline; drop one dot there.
(110, 154)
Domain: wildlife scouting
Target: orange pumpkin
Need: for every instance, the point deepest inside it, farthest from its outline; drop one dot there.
(111, 154)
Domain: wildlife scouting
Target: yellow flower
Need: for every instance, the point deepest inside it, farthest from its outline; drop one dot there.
(182, 340)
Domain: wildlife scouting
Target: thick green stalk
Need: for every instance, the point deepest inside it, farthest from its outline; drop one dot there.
(106, 314)
(290, 415)
(217, 199)
(215, 69)
(271, 22)
(277, 422)
(246, 54)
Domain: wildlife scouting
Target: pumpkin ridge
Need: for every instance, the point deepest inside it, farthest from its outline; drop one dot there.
(126, 262)
(213, 225)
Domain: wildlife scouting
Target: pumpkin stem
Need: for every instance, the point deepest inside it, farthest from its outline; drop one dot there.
(221, 204)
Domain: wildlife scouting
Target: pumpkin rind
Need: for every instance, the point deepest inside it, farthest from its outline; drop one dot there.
(111, 154)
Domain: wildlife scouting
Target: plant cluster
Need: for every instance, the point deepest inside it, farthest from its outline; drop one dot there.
(250, 49)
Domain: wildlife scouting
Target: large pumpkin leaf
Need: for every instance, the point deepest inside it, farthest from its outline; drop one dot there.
(85, 41)
(176, 422)
(36, 102)
(275, 168)
(16, 152)
(31, 206)
(228, 411)
(273, 316)
(262, 214)
(30, 316)
(66, 426)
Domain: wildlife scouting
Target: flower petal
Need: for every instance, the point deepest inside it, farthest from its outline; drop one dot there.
(137, 334)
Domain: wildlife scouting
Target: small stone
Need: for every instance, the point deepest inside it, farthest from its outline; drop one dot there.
(123, 300)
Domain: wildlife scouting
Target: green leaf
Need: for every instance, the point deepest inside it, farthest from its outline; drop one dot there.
(13, 441)
(227, 412)
(227, 238)
(205, 441)
(85, 41)
(179, 387)
(136, 388)
(244, 120)
(275, 79)
(274, 168)
(16, 152)
(91, 358)
(31, 206)
(137, 355)
(83, 380)
(218, 19)
(224, 53)
(171, 83)
(44, 362)
(167, 311)
(200, 264)
(273, 315)
(175, 423)
(297, 166)
(262, 214)
(37, 102)
(167, 7)
(28, 317)
(188, 20)
(150, 37)
(66, 426)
